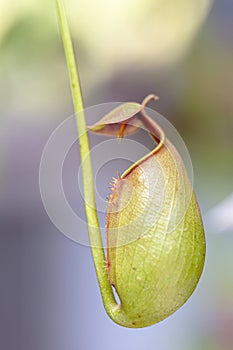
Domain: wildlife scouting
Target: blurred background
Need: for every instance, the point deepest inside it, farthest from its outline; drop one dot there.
(180, 50)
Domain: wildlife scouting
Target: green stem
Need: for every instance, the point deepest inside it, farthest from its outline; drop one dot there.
(110, 304)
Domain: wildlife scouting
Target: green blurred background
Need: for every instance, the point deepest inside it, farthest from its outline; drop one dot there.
(180, 50)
